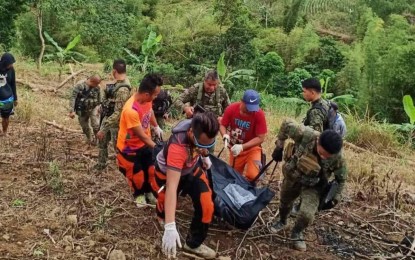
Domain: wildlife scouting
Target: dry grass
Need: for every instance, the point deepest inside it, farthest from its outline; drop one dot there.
(369, 134)
(37, 195)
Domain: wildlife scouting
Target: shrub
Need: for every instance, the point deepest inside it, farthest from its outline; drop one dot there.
(370, 134)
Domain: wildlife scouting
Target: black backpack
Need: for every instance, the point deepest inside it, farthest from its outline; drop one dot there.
(329, 116)
(162, 103)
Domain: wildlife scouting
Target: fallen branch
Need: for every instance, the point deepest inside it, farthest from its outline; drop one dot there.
(60, 127)
(47, 232)
(259, 251)
(69, 78)
(27, 84)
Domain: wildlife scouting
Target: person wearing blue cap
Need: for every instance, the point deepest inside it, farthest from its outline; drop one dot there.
(243, 128)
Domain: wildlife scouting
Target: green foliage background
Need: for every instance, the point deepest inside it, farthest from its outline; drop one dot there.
(367, 48)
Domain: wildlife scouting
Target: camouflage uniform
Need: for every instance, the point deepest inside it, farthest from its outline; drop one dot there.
(83, 101)
(109, 123)
(317, 115)
(297, 184)
(216, 102)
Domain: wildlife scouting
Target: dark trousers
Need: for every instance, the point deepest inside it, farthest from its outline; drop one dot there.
(195, 185)
(138, 168)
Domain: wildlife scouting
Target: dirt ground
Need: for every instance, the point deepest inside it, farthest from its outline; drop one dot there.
(53, 206)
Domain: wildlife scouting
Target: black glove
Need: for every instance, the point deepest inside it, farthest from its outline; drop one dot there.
(277, 154)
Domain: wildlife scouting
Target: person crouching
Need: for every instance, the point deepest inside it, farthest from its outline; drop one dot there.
(181, 169)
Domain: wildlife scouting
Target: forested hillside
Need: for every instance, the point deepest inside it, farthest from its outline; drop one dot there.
(366, 48)
(55, 204)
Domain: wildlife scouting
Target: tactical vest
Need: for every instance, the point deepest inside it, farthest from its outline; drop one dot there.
(324, 109)
(108, 105)
(215, 106)
(87, 99)
(300, 157)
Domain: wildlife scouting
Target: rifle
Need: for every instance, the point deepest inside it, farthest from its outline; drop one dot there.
(331, 191)
(198, 109)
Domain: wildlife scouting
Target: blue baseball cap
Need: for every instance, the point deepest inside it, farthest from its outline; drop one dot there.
(251, 99)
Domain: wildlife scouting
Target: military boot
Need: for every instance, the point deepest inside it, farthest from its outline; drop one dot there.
(298, 240)
(282, 223)
(278, 226)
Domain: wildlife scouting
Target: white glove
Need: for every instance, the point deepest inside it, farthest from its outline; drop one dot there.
(207, 163)
(158, 131)
(237, 149)
(226, 140)
(170, 238)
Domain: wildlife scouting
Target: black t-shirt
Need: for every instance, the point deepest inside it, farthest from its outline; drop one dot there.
(6, 91)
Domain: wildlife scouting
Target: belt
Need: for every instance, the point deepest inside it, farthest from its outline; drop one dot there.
(6, 101)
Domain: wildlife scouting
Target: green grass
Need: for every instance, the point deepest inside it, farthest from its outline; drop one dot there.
(54, 178)
(18, 203)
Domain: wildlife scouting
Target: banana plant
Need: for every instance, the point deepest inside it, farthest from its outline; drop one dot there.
(409, 107)
(64, 55)
(149, 48)
(346, 99)
(228, 78)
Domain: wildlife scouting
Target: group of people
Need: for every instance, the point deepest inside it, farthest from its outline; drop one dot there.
(131, 121)
(158, 172)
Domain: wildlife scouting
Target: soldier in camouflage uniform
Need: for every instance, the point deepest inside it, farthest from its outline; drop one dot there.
(210, 95)
(309, 162)
(85, 97)
(317, 115)
(115, 96)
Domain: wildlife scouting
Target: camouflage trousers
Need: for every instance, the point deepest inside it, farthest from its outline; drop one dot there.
(88, 119)
(291, 189)
(110, 136)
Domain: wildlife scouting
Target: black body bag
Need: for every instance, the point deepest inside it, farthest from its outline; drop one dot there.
(236, 200)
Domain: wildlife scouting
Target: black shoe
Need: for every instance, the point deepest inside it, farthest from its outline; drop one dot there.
(277, 227)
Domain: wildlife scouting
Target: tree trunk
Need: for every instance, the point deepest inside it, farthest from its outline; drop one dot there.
(40, 29)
